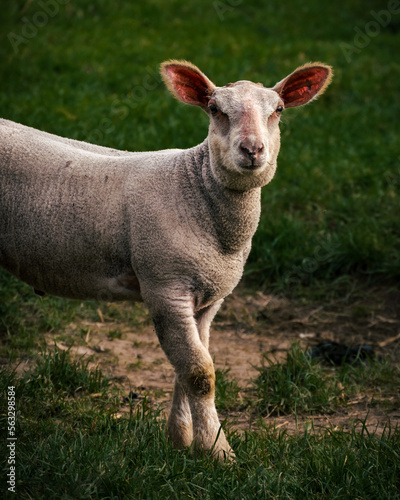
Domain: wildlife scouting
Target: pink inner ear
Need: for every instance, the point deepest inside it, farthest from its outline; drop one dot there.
(191, 87)
(302, 87)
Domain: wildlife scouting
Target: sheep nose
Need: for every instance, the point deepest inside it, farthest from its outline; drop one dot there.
(252, 150)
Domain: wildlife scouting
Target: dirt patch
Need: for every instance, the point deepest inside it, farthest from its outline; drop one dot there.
(247, 326)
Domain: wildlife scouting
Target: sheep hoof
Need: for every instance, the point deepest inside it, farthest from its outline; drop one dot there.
(221, 450)
(225, 455)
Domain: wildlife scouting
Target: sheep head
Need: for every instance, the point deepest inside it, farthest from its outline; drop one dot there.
(244, 134)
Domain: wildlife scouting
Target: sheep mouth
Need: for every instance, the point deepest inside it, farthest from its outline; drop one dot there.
(252, 167)
(251, 164)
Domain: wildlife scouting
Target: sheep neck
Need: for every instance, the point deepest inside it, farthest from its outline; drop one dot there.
(234, 215)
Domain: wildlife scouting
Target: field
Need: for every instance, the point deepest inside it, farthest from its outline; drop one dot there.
(325, 263)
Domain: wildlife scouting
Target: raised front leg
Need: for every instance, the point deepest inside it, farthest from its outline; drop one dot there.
(179, 337)
(180, 423)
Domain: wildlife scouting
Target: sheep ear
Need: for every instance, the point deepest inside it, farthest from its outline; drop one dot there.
(304, 84)
(187, 83)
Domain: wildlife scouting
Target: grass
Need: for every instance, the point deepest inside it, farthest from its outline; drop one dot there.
(303, 385)
(299, 385)
(55, 372)
(227, 390)
(85, 443)
(91, 72)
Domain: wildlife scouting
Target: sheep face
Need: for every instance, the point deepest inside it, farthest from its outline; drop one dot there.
(244, 133)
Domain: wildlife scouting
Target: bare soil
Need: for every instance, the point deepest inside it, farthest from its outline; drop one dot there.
(248, 326)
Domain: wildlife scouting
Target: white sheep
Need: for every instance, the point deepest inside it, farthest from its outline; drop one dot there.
(172, 228)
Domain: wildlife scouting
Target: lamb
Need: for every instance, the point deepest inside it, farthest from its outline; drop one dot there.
(172, 228)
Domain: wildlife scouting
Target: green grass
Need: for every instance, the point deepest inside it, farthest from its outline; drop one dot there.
(91, 73)
(227, 391)
(299, 385)
(24, 317)
(81, 445)
(302, 385)
(55, 372)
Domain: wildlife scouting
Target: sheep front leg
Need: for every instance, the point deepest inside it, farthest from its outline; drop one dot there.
(180, 423)
(195, 379)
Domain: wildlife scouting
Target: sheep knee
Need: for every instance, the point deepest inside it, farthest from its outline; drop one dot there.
(201, 382)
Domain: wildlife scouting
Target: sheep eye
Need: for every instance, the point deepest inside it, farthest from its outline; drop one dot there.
(213, 109)
(279, 109)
